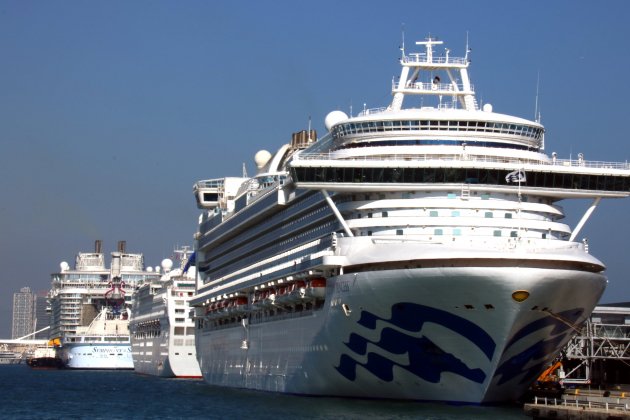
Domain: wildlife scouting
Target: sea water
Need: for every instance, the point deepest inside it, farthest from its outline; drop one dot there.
(26, 393)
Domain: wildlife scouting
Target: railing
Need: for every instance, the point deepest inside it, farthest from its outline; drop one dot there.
(463, 157)
(576, 403)
(434, 87)
(422, 58)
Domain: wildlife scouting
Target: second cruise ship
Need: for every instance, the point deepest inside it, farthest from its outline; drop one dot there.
(162, 331)
(90, 307)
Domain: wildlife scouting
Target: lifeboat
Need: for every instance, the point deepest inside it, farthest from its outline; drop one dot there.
(262, 300)
(298, 290)
(270, 300)
(316, 288)
(282, 295)
(292, 293)
(237, 305)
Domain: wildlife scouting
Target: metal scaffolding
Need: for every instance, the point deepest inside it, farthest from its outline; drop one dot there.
(605, 336)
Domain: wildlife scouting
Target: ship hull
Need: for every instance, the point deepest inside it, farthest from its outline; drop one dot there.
(430, 334)
(155, 357)
(97, 356)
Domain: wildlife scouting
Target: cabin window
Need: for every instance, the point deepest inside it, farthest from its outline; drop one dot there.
(497, 233)
(488, 215)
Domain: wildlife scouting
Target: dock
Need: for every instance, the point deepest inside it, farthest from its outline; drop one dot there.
(581, 404)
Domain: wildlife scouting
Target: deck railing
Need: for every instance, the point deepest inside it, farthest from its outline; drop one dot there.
(603, 403)
(462, 157)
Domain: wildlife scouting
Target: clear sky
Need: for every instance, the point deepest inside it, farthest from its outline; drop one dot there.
(111, 110)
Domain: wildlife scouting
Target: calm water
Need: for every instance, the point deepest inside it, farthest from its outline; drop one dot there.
(55, 394)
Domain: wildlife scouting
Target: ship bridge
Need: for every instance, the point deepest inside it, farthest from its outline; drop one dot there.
(427, 74)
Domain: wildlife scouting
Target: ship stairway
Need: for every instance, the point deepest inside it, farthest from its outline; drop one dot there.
(465, 192)
(470, 102)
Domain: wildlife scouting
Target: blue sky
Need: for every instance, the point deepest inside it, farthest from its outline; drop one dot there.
(110, 111)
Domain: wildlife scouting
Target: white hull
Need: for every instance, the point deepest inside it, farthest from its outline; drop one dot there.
(97, 356)
(152, 357)
(436, 232)
(162, 334)
(463, 338)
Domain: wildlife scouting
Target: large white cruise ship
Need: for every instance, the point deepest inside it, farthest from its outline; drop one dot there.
(90, 308)
(162, 331)
(413, 252)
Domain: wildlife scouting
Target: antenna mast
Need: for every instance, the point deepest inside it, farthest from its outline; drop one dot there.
(536, 111)
(402, 47)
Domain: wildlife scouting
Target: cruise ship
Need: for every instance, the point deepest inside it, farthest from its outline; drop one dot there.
(162, 332)
(415, 251)
(90, 308)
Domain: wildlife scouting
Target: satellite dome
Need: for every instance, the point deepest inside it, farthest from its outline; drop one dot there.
(149, 269)
(167, 264)
(262, 158)
(64, 266)
(334, 118)
(487, 108)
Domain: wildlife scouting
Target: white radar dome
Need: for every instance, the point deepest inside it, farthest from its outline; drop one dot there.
(64, 266)
(149, 269)
(334, 118)
(262, 158)
(487, 108)
(167, 264)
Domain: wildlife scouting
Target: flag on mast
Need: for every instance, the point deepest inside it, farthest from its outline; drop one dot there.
(516, 176)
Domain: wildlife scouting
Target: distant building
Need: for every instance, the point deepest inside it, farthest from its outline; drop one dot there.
(23, 313)
(42, 315)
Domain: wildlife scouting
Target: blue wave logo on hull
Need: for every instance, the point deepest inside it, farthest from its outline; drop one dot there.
(426, 359)
(563, 323)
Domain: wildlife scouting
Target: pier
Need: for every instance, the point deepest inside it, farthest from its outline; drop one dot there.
(18, 350)
(581, 404)
(595, 370)
(599, 354)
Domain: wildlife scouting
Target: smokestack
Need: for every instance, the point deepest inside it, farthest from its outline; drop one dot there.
(98, 246)
(121, 246)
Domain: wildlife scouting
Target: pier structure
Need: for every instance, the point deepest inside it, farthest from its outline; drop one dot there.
(17, 350)
(599, 354)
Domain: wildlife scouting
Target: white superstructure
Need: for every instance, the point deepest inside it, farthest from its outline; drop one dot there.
(104, 344)
(162, 331)
(90, 308)
(413, 252)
